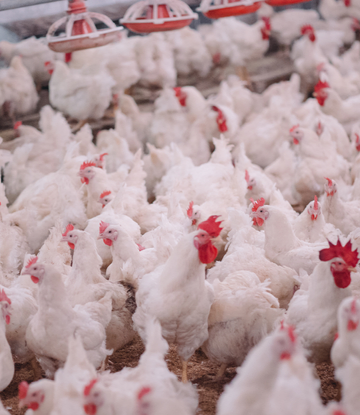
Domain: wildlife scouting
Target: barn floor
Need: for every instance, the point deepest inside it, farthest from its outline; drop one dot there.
(201, 373)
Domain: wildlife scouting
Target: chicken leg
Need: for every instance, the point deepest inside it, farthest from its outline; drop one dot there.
(79, 126)
(221, 372)
(184, 377)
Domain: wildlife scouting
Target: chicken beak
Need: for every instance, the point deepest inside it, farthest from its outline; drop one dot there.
(352, 269)
(315, 94)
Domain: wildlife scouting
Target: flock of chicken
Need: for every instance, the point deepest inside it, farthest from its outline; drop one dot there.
(179, 223)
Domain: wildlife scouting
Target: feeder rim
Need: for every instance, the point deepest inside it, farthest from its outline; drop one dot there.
(161, 20)
(206, 8)
(98, 33)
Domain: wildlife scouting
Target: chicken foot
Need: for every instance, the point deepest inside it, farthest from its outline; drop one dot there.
(221, 372)
(184, 376)
(79, 125)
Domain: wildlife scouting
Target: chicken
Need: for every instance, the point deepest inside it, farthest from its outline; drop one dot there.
(346, 343)
(155, 60)
(343, 215)
(81, 94)
(37, 153)
(123, 249)
(23, 308)
(250, 45)
(150, 386)
(86, 284)
(310, 225)
(317, 159)
(190, 53)
(233, 329)
(281, 244)
(18, 94)
(348, 375)
(286, 24)
(183, 319)
(119, 59)
(244, 253)
(345, 111)
(241, 396)
(72, 378)
(49, 341)
(307, 55)
(296, 389)
(313, 312)
(38, 396)
(7, 368)
(34, 53)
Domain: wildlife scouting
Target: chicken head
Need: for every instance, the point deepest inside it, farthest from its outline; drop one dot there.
(105, 198)
(258, 213)
(32, 398)
(207, 230)
(349, 313)
(296, 133)
(87, 171)
(5, 306)
(35, 270)
(342, 261)
(314, 209)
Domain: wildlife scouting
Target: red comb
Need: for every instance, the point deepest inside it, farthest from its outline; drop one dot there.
(87, 164)
(293, 128)
(307, 29)
(338, 251)
(88, 387)
(103, 155)
(180, 95)
(23, 389)
(103, 226)
(69, 228)
(31, 261)
(4, 297)
(320, 86)
(106, 193)
(212, 227)
(190, 210)
(316, 205)
(17, 125)
(257, 204)
(142, 392)
(329, 181)
(247, 176)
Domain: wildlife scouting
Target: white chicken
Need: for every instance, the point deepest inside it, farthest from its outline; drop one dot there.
(18, 94)
(313, 312)
(7, 367)
(243, 312)
(81, 94)
(50, 344)
(186, 324)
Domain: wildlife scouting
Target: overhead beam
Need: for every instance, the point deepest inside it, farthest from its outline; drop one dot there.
(16, 4)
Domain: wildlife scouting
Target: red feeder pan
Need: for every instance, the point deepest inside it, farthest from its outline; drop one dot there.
(284, 2)
(215, 9)
(149, 16)
(80, 30)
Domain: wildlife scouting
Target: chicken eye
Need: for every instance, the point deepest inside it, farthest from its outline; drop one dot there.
(35, 268)
(110, 231)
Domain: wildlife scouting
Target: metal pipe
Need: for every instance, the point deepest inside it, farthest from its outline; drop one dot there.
(16, 4)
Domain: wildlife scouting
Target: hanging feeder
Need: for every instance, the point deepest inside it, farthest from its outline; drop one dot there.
(149, 16)
(216, 9)
(80, 30)
(276, 3)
